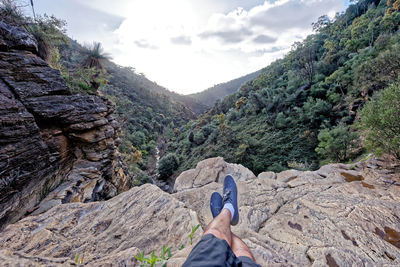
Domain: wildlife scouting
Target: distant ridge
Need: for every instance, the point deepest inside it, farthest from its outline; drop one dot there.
(209, 96)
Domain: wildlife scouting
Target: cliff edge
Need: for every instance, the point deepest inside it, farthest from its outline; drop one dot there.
(337, 216)
(51, 142)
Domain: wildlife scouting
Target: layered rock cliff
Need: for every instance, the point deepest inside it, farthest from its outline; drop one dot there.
(50, 140)
(340, 215)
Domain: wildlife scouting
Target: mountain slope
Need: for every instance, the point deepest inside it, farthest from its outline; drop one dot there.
(145, 109)
(308, 99)
(209, 96)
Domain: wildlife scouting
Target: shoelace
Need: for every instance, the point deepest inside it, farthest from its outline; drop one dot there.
(227, 195)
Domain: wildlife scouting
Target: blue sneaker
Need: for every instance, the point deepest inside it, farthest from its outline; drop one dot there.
(230, 196)
(216, 204)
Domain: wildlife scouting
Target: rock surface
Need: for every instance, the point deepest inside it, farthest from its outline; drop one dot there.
(104, 233)
(50, 140)
(211, 170)
(316, 218)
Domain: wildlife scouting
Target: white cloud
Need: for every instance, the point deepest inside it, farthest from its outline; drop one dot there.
(182, 40)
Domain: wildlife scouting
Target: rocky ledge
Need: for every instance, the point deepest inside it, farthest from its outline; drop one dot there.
(50, 140)
(340, 215)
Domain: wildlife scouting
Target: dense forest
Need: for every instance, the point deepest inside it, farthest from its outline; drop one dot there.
(307, 109)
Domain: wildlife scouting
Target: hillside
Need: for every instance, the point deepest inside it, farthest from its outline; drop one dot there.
(304, 109)
(211, 95)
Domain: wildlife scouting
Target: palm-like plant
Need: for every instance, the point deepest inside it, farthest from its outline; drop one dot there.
(94, 56)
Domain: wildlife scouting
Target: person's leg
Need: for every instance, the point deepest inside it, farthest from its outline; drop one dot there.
(240, 248)
(220, 227)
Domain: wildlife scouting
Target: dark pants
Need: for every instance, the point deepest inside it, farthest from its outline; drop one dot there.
(214, 252)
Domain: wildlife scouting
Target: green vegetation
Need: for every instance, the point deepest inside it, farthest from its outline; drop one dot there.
(380, 121)
(338, 144)
(165, 255)
(79, 260)
(192, 233)
(300, 110)
(49, 33)
(94, 56)
(146, 116)
(167, 165)
(153, 259)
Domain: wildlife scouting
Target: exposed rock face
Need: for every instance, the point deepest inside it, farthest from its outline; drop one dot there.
(105, 233)
(49, 137)
(327, 217)
(340, 215)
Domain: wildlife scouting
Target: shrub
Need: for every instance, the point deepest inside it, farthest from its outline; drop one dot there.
(49, 33)
(337, 144)
(83, 81)
(11, 13)
(380, 121)
(167, 165)
(199, 138)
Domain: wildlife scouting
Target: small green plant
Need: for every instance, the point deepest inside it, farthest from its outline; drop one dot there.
(153, 259)
(141, 258)
(191, 235)
(78, 259)
(165, 255)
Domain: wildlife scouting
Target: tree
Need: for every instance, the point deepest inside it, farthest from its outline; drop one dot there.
(191, 137)
(135, 156)
(93, 59)
(321, 23)
(376, 74)
(94, 56)
(167, 165)
(380, 121)
(199, 138)
(306, 57)
(338, 144)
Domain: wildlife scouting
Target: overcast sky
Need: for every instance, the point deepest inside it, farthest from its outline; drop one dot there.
(190, 45)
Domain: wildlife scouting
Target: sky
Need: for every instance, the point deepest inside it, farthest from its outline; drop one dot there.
(190, 45)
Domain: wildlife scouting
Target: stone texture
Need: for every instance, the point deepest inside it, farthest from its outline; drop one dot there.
(106, 233)
(50, 140)
(267, 175)
(311, 220)
(208, 171)
(305, 218)
(12, 37)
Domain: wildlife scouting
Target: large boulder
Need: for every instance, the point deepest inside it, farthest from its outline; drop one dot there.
(211, 170)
